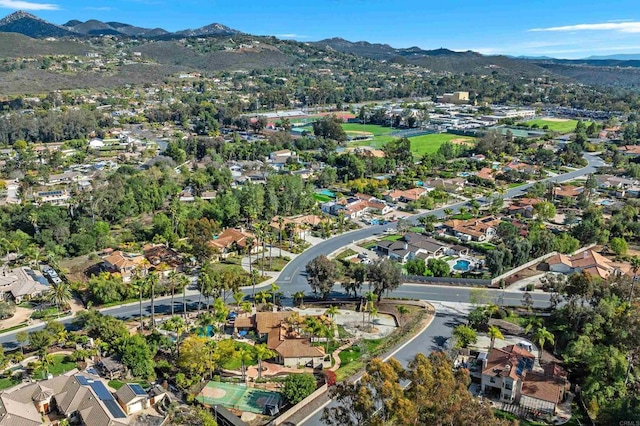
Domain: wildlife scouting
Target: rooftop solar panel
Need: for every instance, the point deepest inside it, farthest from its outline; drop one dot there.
(83, 380)
(100, 389)
(114, 409)
(137, 389)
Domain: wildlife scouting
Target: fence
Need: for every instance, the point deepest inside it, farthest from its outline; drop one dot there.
(446, 280)
(411, 133)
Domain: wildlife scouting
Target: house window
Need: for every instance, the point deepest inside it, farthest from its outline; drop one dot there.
(493, 380)
(508, 386)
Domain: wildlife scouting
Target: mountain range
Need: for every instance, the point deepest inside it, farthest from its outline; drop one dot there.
(23, 34)
(32, 26)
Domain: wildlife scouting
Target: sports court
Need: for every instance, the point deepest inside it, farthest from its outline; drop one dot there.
(239, 397)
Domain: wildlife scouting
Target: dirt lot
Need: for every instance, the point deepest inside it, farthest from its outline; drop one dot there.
(75, 269)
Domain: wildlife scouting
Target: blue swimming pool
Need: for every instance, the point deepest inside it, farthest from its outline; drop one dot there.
(462, 265)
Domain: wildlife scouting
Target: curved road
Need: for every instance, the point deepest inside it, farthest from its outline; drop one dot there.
(292, 279)
(292, 276)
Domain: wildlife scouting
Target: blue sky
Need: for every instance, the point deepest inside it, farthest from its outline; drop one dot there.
(561, 28)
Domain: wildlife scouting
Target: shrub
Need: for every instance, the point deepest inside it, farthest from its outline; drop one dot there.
(298, 386)
(330, 377)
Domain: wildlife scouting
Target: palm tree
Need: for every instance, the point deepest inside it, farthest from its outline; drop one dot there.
(249, 248)
(370, 297)
(183, 283)
(140, 284)
(211, 346)
(261, 297)
(402, 310)
(448, 211)
(152, 281)
(59, 294)
(173, 283)
(262, 352)
(244, 356)
(542, 336)
(46, 361)
(33, 218)
(238, 296)
(533, 323)
(280, 227)
(494, 333)
(373, 313)
(274, 288)
(332, 311)
(22, 337)
(299, 297)
(246, 306)
(635, 266)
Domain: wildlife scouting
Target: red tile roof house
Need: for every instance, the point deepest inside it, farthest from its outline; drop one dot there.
(233, 240)
(508, 374)
(123, 263)
(567, 191)
(524, 207)
(630, 150)
(480, 229)
(292, 349)
(485, 173)
(588, 261)
(406, 196)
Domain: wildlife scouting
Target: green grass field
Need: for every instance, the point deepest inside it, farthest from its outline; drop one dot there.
(567, 126)
(321, 197)
(60, 365)
(429, 144)
(380, 134)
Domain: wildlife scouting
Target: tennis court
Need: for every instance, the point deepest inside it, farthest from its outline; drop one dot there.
(239, 397)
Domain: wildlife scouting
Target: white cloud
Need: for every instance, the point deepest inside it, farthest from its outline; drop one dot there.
(291, 35)
(622, 27)
(27, 5)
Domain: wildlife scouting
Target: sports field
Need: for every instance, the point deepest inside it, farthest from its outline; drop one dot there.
(557, 124)
(380, 134)
(429, 144)
(238, 397)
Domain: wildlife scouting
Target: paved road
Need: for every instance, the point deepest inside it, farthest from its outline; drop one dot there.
(292, 277)
(434, 338)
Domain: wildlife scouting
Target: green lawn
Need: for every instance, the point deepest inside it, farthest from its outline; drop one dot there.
(60, 365)
(429, 144)
(349, 355)
(567, 126)
(345, 253)
(117, 384)
(461, 216)
(394, 237)
(321, 197)
(517, 184)
(370, 128)
(275, 263)
(8, 382)
(380, 134)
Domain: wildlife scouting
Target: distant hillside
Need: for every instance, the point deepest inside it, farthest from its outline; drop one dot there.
(208, 30)
(94, 27)
(619, 57)
(32, 26)
(14, 45)
(382, 51)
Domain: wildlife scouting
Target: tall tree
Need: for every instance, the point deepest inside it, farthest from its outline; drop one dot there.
(385, 276)
(322, 274)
